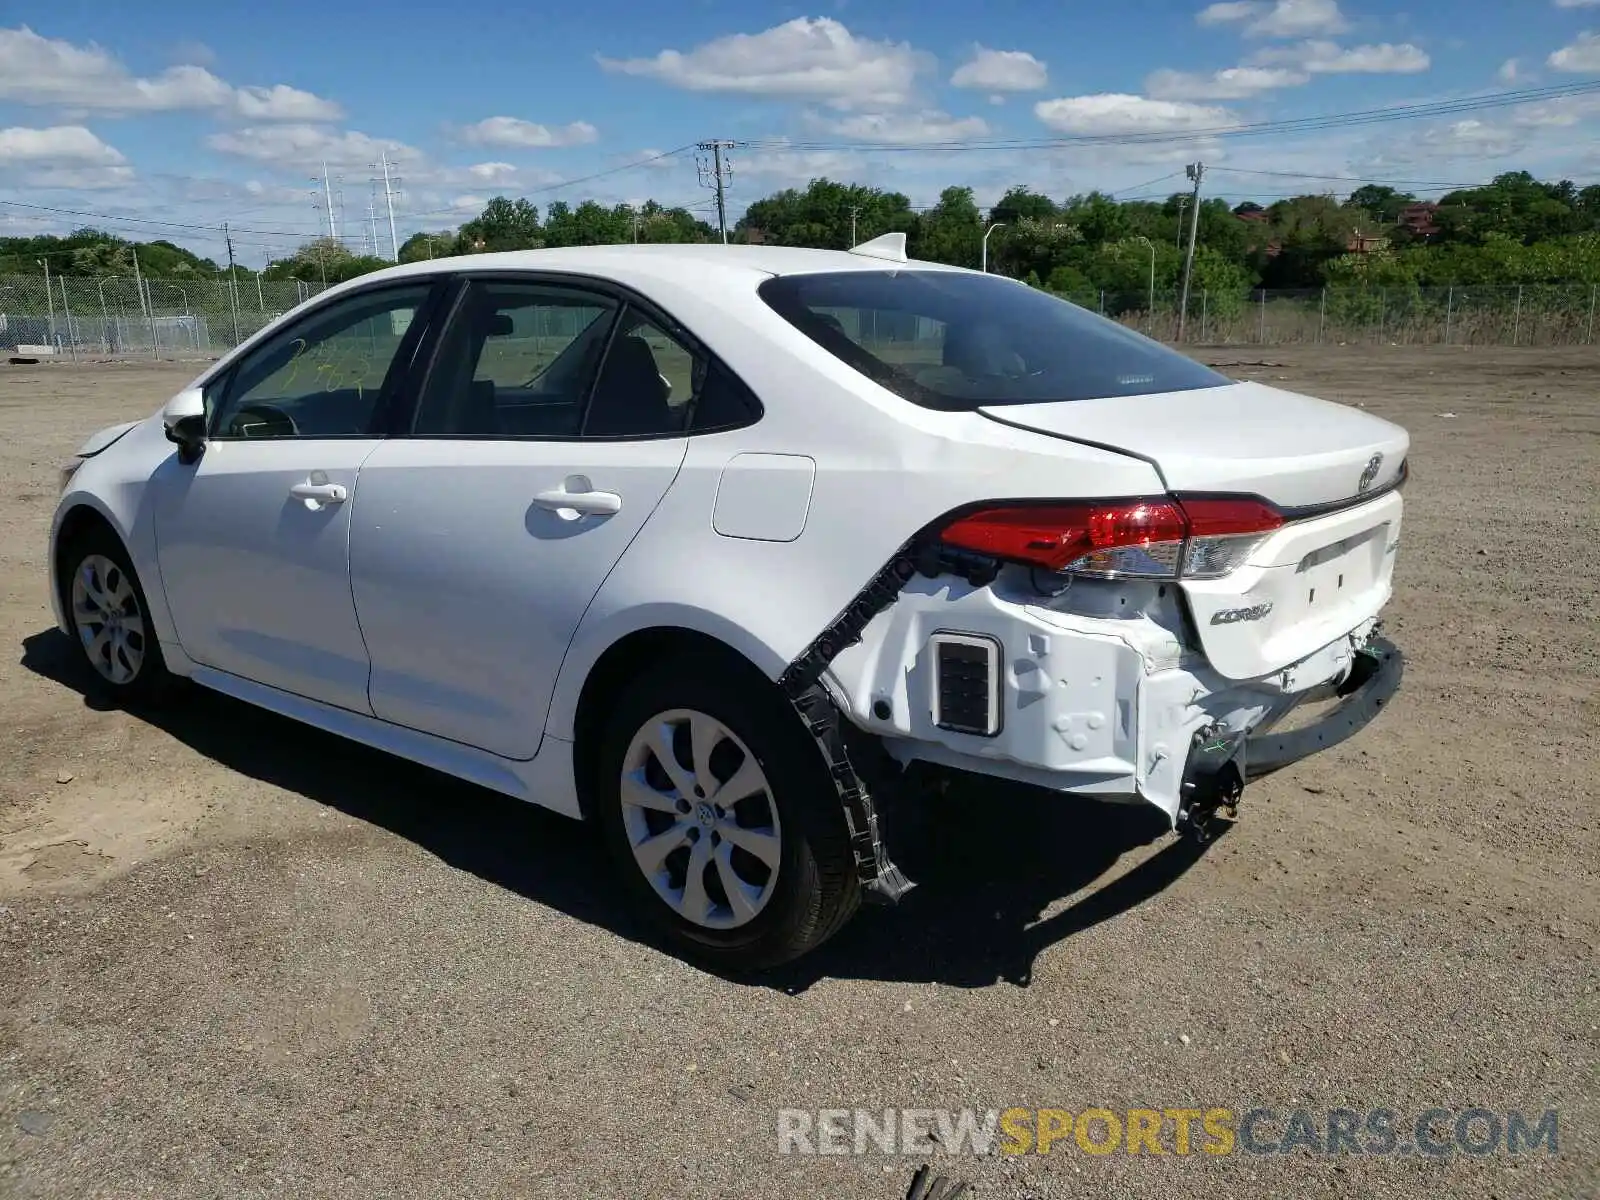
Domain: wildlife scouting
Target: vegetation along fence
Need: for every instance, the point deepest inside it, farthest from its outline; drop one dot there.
(114, 317)
(1530, 315)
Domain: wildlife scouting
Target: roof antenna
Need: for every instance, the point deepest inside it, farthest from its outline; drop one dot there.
(890, 246)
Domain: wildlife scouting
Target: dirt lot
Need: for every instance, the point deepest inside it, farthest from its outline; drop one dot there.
(240, 958)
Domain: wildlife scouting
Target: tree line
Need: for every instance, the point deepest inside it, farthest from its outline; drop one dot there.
(1513, 230)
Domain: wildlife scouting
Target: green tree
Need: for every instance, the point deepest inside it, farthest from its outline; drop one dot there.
(502, 225)
(421, 246)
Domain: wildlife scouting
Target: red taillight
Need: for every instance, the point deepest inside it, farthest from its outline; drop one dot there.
(1153, 538)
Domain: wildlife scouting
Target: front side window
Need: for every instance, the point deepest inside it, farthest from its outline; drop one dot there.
(958, 341)
(324, 376)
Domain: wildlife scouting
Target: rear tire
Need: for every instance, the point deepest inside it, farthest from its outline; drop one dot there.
(109, 619)
(741, 882)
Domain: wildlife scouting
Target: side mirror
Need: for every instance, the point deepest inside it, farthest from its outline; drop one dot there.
(184, 420)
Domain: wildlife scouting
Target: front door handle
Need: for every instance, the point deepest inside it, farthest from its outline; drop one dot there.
(576, 497)
(315, 494)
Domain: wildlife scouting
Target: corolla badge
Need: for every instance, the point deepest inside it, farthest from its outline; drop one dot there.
(1232, 616)
(1369, 473)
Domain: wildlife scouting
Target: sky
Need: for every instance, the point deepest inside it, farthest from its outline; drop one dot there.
(169, 120)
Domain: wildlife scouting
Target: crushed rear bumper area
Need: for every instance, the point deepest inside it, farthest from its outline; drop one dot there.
(1373, 680)
(1221, 762)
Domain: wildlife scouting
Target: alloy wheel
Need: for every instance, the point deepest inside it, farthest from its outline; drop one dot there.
(699, 816)
(105, 612)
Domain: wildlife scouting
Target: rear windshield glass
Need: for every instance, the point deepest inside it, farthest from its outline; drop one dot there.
(957, 341)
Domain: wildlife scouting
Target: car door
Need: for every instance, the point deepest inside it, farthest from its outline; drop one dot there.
(253, 538)
(550, 426)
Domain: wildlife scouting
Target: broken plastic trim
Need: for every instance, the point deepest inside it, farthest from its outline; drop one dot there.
(881, 881)
(801, 681)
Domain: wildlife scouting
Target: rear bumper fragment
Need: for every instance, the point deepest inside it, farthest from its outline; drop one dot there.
(1373, 680)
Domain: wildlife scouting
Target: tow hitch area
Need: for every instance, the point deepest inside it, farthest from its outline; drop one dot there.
(1213, 781)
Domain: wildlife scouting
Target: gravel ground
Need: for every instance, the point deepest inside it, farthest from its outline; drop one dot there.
(241, 958)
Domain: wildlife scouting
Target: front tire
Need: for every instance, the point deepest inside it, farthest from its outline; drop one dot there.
(110, 620)
(721, 818)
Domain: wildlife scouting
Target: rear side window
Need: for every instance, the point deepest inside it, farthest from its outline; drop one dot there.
(958, 341)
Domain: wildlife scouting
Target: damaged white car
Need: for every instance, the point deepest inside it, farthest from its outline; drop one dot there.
(707, 544)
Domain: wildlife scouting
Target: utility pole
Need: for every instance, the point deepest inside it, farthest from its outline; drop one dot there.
(717, 176)
(327, 195)
(372, 228)
(1183, 203)
(853, 211)
(233, 285)
(388, 200)
(49, 299)
(1196, 172)
(149, 308)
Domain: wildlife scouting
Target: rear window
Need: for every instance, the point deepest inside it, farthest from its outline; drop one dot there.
(957, 341)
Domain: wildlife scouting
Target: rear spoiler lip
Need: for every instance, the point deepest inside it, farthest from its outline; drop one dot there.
(1306, 512)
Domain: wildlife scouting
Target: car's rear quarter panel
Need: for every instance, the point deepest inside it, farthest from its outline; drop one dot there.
(884, 470)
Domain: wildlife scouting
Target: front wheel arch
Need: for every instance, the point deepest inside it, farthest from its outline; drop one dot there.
(77, 523)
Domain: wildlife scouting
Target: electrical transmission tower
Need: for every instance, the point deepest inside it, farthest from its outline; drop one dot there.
(390, 182)
(717, 173)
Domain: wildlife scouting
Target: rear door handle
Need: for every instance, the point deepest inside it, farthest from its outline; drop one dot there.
(320, 493)
(576, 498)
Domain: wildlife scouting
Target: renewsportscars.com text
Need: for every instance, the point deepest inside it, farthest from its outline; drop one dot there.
(1434, 1132)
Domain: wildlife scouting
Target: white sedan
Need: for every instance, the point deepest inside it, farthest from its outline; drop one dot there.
(710, 545)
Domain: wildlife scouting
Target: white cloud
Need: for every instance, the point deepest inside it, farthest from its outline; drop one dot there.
(1509, 71)
(1299, 18)
(1582, 55)
(1113, 112)
(1001, 71)
(1473, 136)
(806, 58)
(304, 147)
(1560, 113)
(58, 145)
(80, 179)
(909, 128)
(1330, 58)
(491, 170)
(284, 103)
(1228, 11)
(1234, 83)
(512, 131)
(50, 71)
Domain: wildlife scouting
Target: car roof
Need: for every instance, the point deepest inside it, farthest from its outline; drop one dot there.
(685, 264)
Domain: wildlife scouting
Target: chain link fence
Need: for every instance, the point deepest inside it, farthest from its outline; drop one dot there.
(115, 317)
(73, 317)
(1529, 315)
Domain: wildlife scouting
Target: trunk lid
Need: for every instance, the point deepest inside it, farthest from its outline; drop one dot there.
(1294, 450)
(1323, 575)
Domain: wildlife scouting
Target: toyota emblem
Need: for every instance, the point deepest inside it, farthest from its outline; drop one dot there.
(1369, 473)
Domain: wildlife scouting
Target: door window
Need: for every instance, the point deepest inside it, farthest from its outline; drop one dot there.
(323, 376)
(540, 360)
(646, 385)
(517, 361)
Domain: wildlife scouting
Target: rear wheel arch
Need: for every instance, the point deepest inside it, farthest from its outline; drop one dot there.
(626, 658)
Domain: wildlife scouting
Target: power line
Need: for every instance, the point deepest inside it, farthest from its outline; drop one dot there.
(1417, 183)
(566, 183)
(1370, 116)
(1147, 183)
